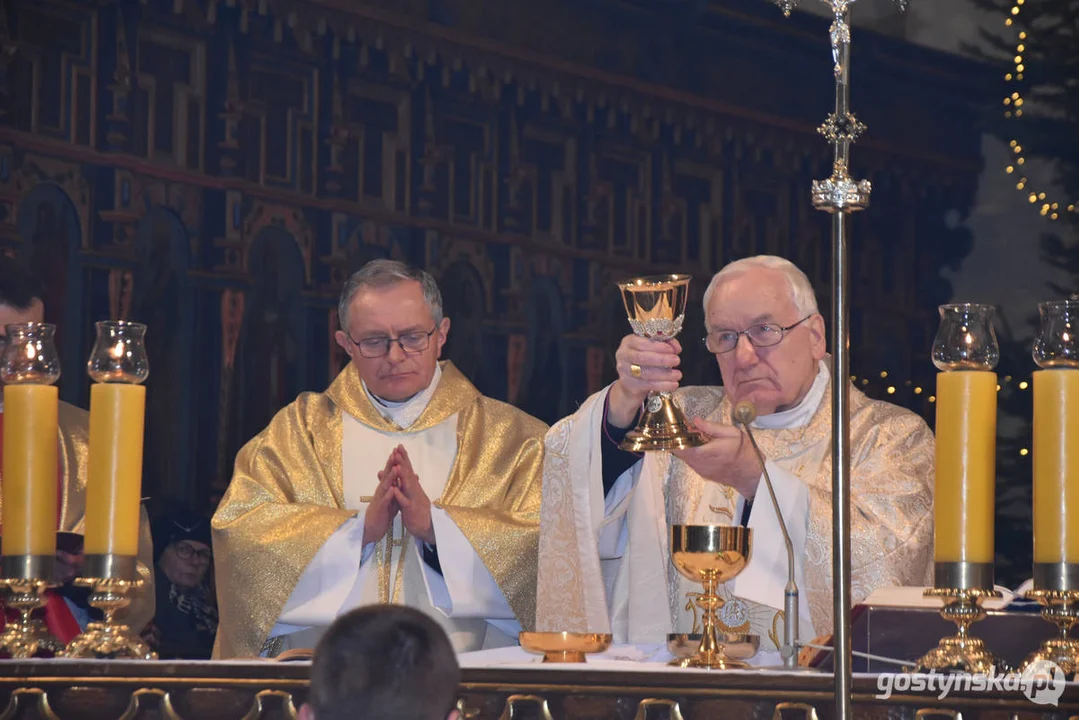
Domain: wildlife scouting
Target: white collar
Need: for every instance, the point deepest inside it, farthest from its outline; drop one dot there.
(803, 412)
(405, 412)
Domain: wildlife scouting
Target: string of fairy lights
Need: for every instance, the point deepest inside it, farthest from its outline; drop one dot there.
(884, 382)
(1013, 104)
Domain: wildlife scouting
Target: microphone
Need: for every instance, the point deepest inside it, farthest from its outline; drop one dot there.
(745, 412)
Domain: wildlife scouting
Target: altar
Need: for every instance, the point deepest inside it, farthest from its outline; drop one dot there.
(616, 686)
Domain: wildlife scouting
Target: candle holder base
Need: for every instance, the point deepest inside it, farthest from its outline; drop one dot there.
(26, 637)
(960, 653)
(1061, 607)
(108, 638)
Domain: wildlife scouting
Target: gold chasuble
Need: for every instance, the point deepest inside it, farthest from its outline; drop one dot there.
(74, 425)
(287, 498)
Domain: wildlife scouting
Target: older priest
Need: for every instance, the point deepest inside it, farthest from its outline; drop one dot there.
(604, 547)
(401, 483)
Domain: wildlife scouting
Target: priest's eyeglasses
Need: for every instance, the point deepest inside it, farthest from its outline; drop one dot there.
(411, 343)
(763, 335)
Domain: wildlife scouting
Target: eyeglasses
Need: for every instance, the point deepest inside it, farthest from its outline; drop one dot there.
(186, 552)
(413, 342)
(763, 335)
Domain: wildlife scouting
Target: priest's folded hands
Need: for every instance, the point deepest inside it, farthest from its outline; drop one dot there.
(398, 491)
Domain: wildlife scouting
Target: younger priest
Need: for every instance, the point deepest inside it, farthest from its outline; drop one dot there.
(400, 483)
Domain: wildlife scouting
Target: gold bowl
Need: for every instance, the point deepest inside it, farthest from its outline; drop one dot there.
(738, 646)
(564, 647)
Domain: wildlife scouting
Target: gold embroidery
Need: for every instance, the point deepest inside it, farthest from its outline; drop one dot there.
(384, 557)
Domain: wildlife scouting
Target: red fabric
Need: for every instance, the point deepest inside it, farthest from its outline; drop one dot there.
(58, 618)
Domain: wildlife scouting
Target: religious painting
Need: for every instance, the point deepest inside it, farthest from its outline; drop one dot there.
(463, 303)
(270, 340)
(49, 226)
(162, 300)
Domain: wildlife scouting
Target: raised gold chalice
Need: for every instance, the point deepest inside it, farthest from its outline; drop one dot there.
(656, 307)
(710, 555)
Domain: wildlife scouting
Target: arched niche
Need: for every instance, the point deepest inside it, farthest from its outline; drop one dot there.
(271, 352)
(463, 302)
(544, 390)
(162, 299)
(49, 225)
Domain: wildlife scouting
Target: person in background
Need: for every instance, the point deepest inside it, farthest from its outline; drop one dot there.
(185, 625)
(383, 661)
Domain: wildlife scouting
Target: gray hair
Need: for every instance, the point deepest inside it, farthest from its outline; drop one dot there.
(802, 295)
(384, 273)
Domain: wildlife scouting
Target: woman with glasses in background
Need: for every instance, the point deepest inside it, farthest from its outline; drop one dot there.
(185, 621)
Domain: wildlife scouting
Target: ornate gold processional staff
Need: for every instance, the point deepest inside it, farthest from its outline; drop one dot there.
(839, 196)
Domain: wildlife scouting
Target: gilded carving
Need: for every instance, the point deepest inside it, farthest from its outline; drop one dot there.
(658, 709)
(150, 702)
(515, 705)
(271, 704)
(28, 702)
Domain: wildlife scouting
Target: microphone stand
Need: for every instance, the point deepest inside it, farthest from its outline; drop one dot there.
(789, 651)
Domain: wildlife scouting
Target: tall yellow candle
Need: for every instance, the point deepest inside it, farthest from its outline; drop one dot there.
(1056, 466)
(114, 488)
(29, 470)
(965, 466)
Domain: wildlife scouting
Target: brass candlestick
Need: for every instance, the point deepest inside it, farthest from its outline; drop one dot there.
(112, 578)
(23, 576)
(962, 586)
(656, 307)
(1056, 587)
(710, 555)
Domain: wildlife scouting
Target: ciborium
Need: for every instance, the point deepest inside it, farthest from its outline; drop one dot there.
(710, 555)
(656, 307)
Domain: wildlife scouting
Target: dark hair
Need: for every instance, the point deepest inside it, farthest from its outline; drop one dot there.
(19, 287)
(384, 661)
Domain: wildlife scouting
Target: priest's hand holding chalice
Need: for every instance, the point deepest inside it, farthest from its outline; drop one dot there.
(647, 369)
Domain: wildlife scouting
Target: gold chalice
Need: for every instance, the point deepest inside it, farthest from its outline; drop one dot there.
(710, 555)
(656, 307)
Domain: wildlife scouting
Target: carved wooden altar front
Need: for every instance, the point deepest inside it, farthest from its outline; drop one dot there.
(102, 690)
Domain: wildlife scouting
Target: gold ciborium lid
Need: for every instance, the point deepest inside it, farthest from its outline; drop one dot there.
(564, 647)
(710, 555)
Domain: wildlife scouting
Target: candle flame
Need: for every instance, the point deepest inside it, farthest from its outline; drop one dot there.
(117, 351)
(31, 351)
